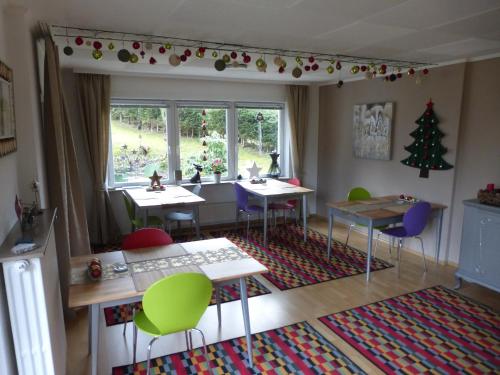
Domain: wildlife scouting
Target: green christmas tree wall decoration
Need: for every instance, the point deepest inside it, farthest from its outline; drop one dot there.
(426, 151)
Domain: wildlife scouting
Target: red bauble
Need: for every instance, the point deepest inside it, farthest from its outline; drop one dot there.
(187, 52)
(162, 50)
(183, 58)
(383, 66)
(152, 60)
(425, 71)
(363, 68)
(202, 49)
(307, 68)
(315, 67)
(136, 45)
(411, 71)
(247, 59)
(311, 59)
(78, 40)
(338, 66)
(281, 69)
(399, 75)
(234, 55)
(97, 44)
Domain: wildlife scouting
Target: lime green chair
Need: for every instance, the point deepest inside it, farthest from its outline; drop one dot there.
(137, 223)
(173, 304)
(359, 194)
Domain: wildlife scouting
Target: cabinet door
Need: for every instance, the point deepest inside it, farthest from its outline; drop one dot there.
(469, 247)
(487, 263)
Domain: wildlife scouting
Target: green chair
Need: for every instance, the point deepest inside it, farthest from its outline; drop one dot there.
(137, 223)
(173, 304)
(360, 194)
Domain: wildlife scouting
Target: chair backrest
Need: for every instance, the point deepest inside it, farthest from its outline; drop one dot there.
(415, 219)
(129, 206)
(196, 190)
(146, 237)
(358, 194)
(294, 181)
(241, 196)
(177, 302)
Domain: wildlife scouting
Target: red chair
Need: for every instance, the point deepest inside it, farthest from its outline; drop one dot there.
(146, 237)
(290, 205)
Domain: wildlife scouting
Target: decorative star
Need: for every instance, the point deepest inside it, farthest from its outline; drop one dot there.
(254, 171)
(155, 179)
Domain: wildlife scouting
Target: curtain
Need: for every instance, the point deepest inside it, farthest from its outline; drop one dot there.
(95, 107)
(298, 114)
(63, 180)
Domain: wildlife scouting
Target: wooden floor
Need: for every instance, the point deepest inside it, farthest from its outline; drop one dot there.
(278, 309)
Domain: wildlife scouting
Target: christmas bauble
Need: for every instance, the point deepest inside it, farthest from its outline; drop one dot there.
(97, 44)
(136, 45)
(183, 58)
(162, 50)
(168, 45)
(311, 59)
(123, 55)
(260, 62)
(97, 54)
(338, 66)
(425, 71)
(307, 68)
(330, 69)
(220, 65)
(363, 68)
(278, 61)
(247, 59)
(234, 55)
(411, 71)
(142, 53)
(199, 54)
(78, 40)
(315, 67)
(340, 83)
(174, 59)
(214, 54)
(355, 69)
(399, 75)
(202, 49)
(381, 70)
(133, 58)
(68, 51)
(296, 72)
(281, 69)
(152, 60)
(187, 52)
(226, 58)
(262, 68)
(111, 46)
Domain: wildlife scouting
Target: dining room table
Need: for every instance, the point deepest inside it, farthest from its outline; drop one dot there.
(219, 259)
(377, 212)
(170, 197)
(276, 190)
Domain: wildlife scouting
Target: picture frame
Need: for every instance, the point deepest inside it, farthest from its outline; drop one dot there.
(7, 115)
(372, 130)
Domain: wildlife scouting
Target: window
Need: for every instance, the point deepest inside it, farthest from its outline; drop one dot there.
(203, 138)
(258, 136)
(166, 136)
(138, 142)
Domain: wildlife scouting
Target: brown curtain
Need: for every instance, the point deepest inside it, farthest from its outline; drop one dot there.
(298, 114)
(95, 107)
(63, 180)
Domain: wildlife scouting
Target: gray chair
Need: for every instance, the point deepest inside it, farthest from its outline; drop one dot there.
(179, 216)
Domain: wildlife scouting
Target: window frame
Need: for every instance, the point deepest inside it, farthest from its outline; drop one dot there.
(173, 136)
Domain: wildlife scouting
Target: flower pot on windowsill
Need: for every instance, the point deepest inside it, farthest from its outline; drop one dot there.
(217, 176)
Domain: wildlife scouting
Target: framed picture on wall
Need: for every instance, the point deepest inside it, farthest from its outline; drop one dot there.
(7, 117)
(372, 130)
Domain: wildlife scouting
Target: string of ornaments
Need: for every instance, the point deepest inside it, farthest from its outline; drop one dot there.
(138, 50)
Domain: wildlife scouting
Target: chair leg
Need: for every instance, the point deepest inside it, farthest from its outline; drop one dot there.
(400, 245)
(187, 340)
(423, 253)
(135, 347)
(126, 320)
(217, 298)
(376, 244)
(348, 234)
(248, 225)
(205, 351)
(190, 336)
(149, 355)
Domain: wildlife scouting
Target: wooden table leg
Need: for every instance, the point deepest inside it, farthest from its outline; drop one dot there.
(369, 252)
(246, 319)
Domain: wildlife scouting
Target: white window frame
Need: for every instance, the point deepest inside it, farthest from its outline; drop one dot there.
(173, 136)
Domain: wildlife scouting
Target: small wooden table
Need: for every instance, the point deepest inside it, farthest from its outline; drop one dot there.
(122, 290)
(275, 189)
(376, 212)
(172, 197)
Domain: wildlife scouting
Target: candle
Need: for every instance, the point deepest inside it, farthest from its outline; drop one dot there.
(490, 187)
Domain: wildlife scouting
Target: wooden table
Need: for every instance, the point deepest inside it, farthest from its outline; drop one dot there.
(376, 212)
(172, 197)
(105, 293)
(278, 190)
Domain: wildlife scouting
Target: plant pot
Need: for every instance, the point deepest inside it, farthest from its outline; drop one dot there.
(217, 177)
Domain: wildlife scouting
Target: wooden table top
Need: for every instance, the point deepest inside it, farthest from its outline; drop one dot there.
(173, 195)
(378, 207)
(123, 287)
(273, 188)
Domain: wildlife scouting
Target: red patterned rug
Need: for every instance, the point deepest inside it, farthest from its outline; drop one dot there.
(294, 349)
(122, 313)
(430, 331)
(293, 263)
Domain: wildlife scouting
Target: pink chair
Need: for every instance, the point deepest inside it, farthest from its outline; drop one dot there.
(290, 205)
(146, 237)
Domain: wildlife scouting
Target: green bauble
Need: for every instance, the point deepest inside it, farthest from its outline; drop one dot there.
(133, 58)
(215, 54)
(97, 54)
(330, 69)
(260, 62)
(168, 46)
(226, 58)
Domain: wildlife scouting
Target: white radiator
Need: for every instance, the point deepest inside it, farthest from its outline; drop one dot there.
(34, 300)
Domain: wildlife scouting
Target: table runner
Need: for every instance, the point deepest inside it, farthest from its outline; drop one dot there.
(378, 206)
(139, 255)
(143, 280)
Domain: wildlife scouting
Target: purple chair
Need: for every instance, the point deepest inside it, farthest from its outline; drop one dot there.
(242, 205)
(414, 222)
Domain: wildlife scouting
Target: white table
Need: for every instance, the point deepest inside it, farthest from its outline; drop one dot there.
(278, 190)
(172, 197)
(106, 293)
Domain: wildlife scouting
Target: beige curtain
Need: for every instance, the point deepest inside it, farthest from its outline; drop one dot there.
(298, 114)
(95, 106)
(63, 180)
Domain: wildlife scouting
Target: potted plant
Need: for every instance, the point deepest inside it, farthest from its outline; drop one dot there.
(218, 168)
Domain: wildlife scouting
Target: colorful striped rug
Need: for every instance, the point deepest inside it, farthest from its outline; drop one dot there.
(293, 263)
(294, 349)
(121, 313)
(430, 331)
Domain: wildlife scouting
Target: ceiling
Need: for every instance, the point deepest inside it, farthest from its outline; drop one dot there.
(433, 31)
